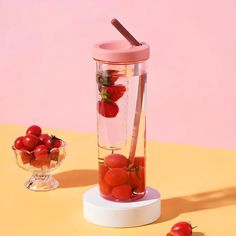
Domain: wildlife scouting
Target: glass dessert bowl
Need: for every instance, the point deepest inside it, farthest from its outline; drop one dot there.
(41, 162)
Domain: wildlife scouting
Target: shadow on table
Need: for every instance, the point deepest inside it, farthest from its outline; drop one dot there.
(173, 207)
(77, 178)
(198, 234)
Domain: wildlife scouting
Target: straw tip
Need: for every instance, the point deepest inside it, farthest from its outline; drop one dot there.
(124, 32)
(113, 20)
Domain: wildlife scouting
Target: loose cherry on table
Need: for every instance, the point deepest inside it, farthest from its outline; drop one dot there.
(181, 228)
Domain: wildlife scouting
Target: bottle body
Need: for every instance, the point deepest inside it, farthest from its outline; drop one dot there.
(121, 130)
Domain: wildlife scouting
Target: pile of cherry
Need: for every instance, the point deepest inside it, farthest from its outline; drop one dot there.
(38, 149)
(120, 179)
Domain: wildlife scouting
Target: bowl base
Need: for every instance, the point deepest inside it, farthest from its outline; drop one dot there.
(41, 183)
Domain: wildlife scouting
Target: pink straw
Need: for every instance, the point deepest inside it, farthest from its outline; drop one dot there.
(141, 85)
(125, 32)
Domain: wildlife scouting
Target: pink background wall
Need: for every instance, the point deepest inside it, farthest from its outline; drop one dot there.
(47, 73)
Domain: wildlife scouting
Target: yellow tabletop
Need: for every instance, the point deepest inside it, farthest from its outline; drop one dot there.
(197, 184)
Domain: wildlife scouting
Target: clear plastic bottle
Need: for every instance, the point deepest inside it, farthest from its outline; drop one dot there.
(121, 126)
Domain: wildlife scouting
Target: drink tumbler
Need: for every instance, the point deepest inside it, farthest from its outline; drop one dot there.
(121, 75)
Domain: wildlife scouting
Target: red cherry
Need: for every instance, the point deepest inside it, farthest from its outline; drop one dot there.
(18, 144)
(102, 170)
(44, 137)
(116, 161)
(30, 141)
(40, 164)
(182, 227)
(57, 143)
(175, 233)
(122, 192)
(35, 130)
(41, 153)
(137, 179)
(26, 156)
(48, 143)
(54, 154)
(104, 188)
(36, 163)
(134, 180)
(139, 161)
(41, 157)
(116, 176)
(52, 142)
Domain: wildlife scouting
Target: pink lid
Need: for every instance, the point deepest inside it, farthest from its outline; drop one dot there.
(120, 51)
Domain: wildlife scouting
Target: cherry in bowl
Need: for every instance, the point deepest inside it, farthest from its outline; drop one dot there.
(40, 154)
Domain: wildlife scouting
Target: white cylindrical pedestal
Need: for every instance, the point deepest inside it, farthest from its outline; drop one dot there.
(100, 211)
